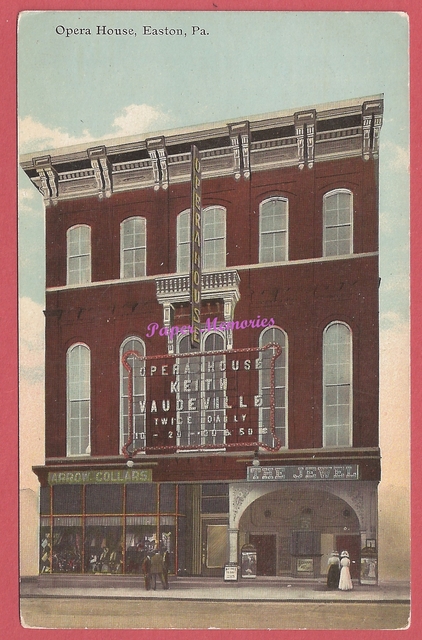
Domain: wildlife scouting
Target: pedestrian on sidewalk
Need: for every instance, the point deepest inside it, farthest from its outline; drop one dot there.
(157, 569)
(333, 575)
(146, 570)
(345, 583)
(166, 566)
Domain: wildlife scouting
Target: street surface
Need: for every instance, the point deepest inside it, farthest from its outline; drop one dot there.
(121, 613)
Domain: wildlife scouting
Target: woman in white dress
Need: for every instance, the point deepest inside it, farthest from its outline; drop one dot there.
(345, 583)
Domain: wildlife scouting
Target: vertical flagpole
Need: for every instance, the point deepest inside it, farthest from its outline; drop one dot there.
(196, 248)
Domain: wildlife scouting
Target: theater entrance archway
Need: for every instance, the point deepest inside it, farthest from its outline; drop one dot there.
(295, 528)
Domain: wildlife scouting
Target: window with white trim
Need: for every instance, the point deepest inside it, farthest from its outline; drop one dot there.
(337, 385)
(79, 254)
(277, 336)
(202, 388)
(138, 426)
(213, 222)
(133, 247)
(183, 242)
(273, 229)
(78, 386)
(338, 223)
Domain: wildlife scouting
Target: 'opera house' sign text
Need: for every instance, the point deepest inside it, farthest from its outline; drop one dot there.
(202, 400)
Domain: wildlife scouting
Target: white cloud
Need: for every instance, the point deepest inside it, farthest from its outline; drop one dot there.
(31, 340)
(34, 135)
(132, 120)
(139, 118)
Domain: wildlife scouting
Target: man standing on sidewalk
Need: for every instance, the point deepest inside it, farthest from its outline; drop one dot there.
(146, 570)
(157, 568)
(166, 566)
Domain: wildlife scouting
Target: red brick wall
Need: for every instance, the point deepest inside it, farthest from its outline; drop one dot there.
(302, 298)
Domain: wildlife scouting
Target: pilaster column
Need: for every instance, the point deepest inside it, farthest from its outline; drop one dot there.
(233, 545)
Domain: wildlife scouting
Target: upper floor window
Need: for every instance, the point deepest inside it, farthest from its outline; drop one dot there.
(133, 247)
(338, 223)
(138, 425)
(183, 242)
(78, 387)
(202, 383)
(337, 385)
(79, 254)
(273, 227)
(213, 239)
(277, 336)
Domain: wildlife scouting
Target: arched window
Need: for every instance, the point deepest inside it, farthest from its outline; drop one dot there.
(338, 223)
(337, 385)
(138, 394)
(79, 254)
(278, 336)
(78, 386)
(201, 416)
(213, 224)
(273, 229)
(133, 247)
(183, 242)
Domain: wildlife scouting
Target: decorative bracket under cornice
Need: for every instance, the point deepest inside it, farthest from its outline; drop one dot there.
(305, 125)
(241, 142)
(102, 170)
(156, 148)
(372, 113)
(48, 178)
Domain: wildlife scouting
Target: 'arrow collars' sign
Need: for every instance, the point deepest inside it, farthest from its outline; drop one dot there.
(196, 242)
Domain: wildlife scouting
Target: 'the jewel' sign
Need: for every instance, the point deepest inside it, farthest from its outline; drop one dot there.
(291, 473)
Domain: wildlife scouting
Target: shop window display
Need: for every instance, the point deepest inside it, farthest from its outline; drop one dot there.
(108, 529)
(45, 550)
(141, 539)
(67, 545)
(103, 545)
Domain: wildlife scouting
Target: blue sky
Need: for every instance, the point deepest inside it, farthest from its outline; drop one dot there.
(87, 87)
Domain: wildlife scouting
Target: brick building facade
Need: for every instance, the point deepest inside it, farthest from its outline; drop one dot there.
(267, 435)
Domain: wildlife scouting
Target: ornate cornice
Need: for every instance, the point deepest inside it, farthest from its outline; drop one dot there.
(283, 139)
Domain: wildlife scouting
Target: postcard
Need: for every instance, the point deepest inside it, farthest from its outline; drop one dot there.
(213, 244)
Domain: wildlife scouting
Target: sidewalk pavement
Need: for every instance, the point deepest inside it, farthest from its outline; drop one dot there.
(264, 589)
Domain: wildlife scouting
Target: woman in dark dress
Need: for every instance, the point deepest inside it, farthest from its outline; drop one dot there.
(333, 575)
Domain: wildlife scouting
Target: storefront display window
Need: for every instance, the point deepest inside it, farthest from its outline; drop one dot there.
(67, 500)
(45, 547)
(141, 498)
(103, 545)
(104, 499)
(85, 529)
(67, 545)
(141, 538)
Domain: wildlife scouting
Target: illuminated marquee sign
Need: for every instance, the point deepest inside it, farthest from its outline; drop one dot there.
(202, 400)
(196, 249)
(292, 473)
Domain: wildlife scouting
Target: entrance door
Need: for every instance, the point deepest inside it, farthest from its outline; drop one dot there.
(266, 554)
(352, 545)
(215, 547)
